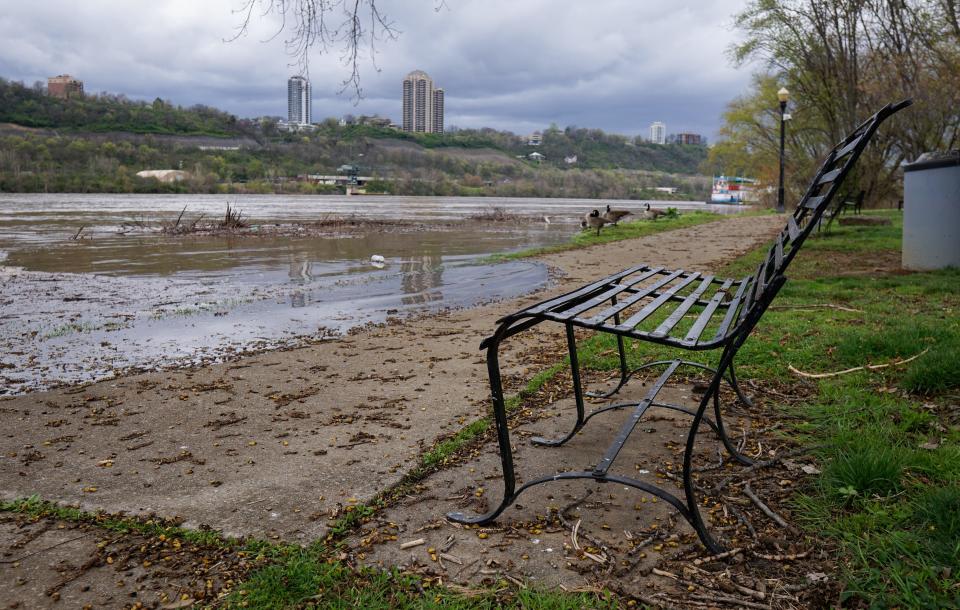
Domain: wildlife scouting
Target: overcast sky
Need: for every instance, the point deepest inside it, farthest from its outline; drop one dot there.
(509, 64)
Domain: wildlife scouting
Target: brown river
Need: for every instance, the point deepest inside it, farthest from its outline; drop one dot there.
(123, 297)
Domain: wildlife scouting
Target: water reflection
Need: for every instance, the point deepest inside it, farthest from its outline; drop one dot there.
(420, 277)
(300, 268)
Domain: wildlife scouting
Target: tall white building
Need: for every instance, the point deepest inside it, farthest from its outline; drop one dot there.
(422, 104)
(299, 109)
(658, 133)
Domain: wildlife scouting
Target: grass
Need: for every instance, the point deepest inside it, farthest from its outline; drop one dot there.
(308, 580)
(889, 493)
(619, 232)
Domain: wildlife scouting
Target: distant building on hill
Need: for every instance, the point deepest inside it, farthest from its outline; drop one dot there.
(422, 104)
(688, 138)
(64, 86)
(535, 139)
(299, 111)
(658, 133)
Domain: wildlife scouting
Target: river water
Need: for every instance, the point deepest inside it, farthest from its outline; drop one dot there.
(124, 297)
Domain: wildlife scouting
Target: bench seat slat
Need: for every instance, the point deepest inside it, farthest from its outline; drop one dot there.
(731, 314)
(586, 290)
(646, 291)
(655, 304)
(566, 314)
(677, 314)
(700, 324)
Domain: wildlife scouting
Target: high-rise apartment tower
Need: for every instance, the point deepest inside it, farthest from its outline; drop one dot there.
(422, 104)
(658, 133)
(298, 101)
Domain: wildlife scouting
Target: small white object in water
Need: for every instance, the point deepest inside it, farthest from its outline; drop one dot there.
(546, 219)
(378, 261)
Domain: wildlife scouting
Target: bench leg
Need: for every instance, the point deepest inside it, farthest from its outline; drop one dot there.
(693, 506)
(577, 394)
(503, 440)
(735, 385)
(722, 433)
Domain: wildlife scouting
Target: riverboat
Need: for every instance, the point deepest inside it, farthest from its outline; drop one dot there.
(733, 189)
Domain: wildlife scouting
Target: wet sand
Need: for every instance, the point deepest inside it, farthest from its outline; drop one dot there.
(274, 445)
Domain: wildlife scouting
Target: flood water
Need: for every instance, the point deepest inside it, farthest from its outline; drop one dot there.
(83, 309)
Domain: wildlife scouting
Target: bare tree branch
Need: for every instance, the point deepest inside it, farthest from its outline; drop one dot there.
(351, 27)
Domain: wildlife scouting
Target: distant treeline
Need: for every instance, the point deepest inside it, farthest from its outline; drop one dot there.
(99, 143)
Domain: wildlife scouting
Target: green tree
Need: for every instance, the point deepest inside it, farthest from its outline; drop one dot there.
(842, 60)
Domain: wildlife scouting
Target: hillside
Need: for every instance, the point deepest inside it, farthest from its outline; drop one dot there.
(99, 143)
(31, 107)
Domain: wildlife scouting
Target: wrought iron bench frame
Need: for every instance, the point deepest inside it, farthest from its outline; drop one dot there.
(735, 306)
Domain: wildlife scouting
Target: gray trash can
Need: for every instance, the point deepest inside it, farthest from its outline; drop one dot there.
(931, 212)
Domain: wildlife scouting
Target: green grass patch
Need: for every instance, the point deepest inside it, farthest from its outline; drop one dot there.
(35, 507)
(889, 493)
(307, 580)
(612, 233)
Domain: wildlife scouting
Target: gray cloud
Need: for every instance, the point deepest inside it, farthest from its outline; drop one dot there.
(519, 65)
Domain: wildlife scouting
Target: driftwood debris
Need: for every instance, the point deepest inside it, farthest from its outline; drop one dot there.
(866, 367)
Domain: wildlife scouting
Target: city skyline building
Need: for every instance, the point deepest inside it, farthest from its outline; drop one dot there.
(299, 101)
(423, 105)
(658, 133)
(64, 86)
(685, 137)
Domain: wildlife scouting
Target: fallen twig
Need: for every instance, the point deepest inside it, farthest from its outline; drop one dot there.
(789, 557)
(44, 550)
(412, 543)
(870, 367)
(766, 509)
(817, 306)
(723, 599)
(77, 234)
(717, 557)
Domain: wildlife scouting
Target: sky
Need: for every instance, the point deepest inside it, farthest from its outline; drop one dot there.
(518, 65)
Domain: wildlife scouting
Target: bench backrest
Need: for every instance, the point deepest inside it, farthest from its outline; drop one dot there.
(812, 206)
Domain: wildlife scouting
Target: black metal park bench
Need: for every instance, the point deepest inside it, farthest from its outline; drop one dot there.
(682, 309)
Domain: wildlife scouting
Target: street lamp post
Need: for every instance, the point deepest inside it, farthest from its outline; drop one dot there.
(782, 95)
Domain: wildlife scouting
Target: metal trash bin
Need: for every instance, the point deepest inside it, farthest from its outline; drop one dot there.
(931, 212)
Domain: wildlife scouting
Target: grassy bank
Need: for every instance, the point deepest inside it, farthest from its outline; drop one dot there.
(625, 230)
(889, 495)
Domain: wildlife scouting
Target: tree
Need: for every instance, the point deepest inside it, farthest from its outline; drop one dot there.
(842, 60)
(352, 26)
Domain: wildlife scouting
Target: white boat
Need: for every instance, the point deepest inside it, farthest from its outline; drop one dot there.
(733, 189)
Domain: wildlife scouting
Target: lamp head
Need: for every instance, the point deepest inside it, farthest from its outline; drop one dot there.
(783, 95)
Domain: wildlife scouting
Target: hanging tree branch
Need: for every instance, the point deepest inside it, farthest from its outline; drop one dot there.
(353, 27)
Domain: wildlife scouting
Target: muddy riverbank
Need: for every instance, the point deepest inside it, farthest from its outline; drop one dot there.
(278, 444)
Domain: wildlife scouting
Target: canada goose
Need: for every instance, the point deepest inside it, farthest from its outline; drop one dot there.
(593, 220)
(653, 214)
(614, 216)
